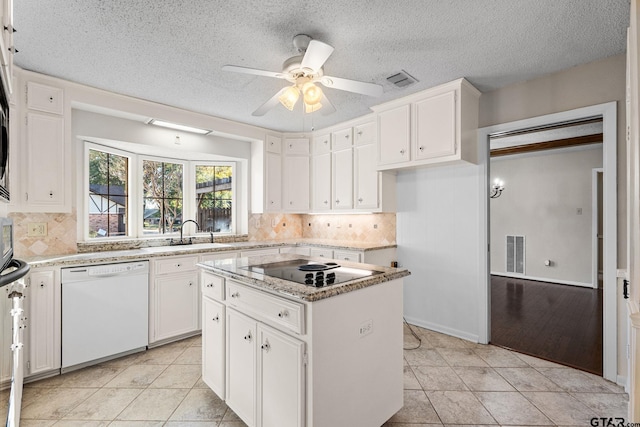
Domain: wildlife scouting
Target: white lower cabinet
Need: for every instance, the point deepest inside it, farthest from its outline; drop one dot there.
(44, 323)
(175, 298)
(241, 366)
(213, 345)
(281, 380)
(265, 373)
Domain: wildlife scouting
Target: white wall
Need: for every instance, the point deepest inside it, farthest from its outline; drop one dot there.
(543, 193)
(439, 235)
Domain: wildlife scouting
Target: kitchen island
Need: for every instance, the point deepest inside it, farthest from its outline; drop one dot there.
(283, 353)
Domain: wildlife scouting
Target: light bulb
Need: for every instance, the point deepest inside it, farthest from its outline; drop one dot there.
(312, 93)
(289, 97)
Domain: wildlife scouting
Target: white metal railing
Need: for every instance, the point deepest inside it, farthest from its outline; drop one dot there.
(14, 279)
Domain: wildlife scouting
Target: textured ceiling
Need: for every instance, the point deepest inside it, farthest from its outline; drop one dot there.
(172, 51)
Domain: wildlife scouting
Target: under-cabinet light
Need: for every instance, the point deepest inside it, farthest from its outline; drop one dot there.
(177, 126)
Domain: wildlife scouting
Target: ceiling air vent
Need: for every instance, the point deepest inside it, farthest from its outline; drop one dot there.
(401, 79)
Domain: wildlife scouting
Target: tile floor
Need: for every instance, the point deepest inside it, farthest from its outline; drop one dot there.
(448, 381)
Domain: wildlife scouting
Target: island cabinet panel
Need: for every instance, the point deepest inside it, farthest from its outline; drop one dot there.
(213, 345)
(280, 379)
(241, 366)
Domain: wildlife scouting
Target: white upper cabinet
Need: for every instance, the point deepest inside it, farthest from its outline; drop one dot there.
(366, 177)
(44, 98)
(434, 126)
(296, 175)
(321, 173)
(273, 174)
(342, 178)
(394, 132)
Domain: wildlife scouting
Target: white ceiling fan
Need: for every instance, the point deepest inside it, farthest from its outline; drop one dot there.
(304, 71)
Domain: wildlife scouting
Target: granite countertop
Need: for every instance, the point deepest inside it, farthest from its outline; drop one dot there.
(104, 257)
(233, 268)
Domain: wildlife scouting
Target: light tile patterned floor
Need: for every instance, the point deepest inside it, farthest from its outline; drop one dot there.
(448, 381)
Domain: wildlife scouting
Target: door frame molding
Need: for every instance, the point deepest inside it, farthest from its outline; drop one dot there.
(608, 112)
(595, 217)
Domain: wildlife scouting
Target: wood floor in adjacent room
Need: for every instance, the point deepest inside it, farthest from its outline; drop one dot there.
(560, 323)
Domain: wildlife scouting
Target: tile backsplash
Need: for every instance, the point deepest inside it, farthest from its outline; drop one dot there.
(370, 228)
(60, 238)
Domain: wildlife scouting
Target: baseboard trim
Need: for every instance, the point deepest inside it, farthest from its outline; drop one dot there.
(443, 329)
(543, 279)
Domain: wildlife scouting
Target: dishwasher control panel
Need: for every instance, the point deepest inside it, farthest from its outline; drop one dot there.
(89, 272)
(102, 270)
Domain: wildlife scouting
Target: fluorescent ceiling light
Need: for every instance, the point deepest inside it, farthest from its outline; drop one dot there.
(178, 127)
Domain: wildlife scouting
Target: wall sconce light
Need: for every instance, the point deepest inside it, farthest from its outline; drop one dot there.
(496, 188)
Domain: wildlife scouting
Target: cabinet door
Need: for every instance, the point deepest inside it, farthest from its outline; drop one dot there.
(321, 182)
(176, 308)
(42, 323)
(342, 139)
(296, 183)
(213, 346)
(274, 144)
(45, 159)
(296, 146)
(281, 380)
(394, 135)
(241, 366)
(364, 134)
(44, 98)
(366, 177)
(273, 188)
(321, 144)
(342, 179)
(435, 126)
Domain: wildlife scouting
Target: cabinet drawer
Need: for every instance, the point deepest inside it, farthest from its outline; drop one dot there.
(365, 133)
(218, 255)
(212, 286)
(44, 98)
(347, 255)
(176, 265)
(322, 252)
(260, 252)
(268, 308)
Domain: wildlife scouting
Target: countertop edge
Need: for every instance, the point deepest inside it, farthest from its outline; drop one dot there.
(148, 253)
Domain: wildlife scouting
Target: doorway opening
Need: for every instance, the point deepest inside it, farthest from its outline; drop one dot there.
(542, 266)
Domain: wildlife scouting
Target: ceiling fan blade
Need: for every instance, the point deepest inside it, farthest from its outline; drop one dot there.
(253, 71)
(272, 102)
(364, 88)
(327, 107)
(316, 55)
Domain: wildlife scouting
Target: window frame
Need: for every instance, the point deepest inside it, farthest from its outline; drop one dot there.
(135, 221)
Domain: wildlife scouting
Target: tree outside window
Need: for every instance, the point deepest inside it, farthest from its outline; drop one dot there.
(108, 194)
(162, 197)
(214, 198)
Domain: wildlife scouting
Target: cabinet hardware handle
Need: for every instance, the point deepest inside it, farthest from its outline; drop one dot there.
(216, 319)
(178, 265)
(235, 295)
(291, 146)
(326, 202)
(422, 148)
(337, 201)
(271, 201)
(50, 193)
(290, 202)
(326, 142)
(360, 199)
(42, 284)
(346, 136)
(190, 283)
(266, 346)
(359, 132)
(283, 314)
(209, 285)
(402, 151)
(248, 337)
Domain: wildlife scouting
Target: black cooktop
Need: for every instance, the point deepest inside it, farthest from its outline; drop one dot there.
(311, 273)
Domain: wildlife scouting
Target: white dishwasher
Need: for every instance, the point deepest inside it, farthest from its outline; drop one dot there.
(105, 312)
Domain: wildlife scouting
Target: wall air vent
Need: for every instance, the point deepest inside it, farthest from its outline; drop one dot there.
(401, 79)
(515, 254)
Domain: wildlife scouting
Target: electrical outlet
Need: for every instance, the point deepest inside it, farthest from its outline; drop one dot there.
(37, 229)
(366, 328)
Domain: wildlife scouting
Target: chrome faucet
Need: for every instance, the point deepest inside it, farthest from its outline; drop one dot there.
(182, 242)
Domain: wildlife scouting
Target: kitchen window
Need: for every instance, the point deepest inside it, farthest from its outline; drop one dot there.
(108, 194)
(162, 196)
(133, 195)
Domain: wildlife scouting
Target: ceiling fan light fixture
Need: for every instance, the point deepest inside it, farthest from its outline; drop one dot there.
(312, 94)
(308, 108)
(289, 98)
